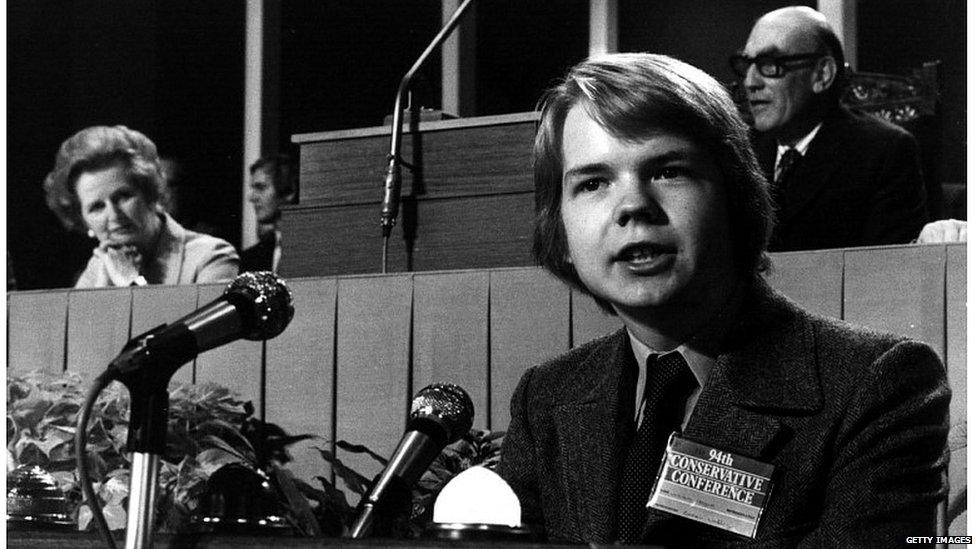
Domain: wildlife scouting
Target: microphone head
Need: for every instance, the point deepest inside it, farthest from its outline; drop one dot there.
(445, 405)
(264, 302)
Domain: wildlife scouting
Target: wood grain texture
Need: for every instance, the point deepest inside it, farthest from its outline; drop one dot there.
(453, 233)
(529, 324)
(812, 279)
(156, 305)
(455, 162)
(98, 328)
(589, 320)
(899, 290)
(450, 335)
(236, 365)
(425, 126)
(372, 365)
(36, 330)
(300, 375)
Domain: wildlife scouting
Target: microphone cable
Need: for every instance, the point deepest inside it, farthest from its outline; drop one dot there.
(81, 442)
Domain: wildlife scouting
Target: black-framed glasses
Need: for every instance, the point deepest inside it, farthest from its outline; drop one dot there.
(771, 66)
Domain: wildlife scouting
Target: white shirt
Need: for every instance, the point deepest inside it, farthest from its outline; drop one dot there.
(801, 147)
(276, 255)
(699, 364)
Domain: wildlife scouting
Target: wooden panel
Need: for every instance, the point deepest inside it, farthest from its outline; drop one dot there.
(815, 280)
(155, 305)
(98, 328)
(36, 331)
(956, 365)
(454, 162)
(372, 365)
(236, 365)
(450, 335)
(455, 233)
(899, 290)
(956, 328)
(590, 321)
(529, 324)
(300, 375)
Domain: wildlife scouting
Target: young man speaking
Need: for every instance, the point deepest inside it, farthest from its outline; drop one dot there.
(722, 412)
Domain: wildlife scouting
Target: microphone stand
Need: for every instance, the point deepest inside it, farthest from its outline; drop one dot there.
(147, 446)
(145, 367)
(394, 178)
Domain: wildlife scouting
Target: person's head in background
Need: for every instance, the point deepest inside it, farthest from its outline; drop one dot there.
(274, 181)
(107, 182)
(793, 71)
(175, 194)
(648, 194)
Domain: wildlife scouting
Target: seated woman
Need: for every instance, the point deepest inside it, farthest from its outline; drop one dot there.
(107, 180)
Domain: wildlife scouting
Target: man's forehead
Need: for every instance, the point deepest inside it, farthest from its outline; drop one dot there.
(780, 35)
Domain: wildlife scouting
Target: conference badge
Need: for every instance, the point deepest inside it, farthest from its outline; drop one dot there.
(712, 486)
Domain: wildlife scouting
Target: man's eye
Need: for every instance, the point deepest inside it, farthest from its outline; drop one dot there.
(95, 207)
(670, 172)
(589, 185)
(768, 66)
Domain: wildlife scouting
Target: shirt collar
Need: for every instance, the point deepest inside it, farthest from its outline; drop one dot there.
(802, 145)
(700, 365)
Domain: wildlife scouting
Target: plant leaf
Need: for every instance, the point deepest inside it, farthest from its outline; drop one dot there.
(360, 449)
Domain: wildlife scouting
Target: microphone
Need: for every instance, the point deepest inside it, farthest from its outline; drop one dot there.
(255, 306)
(439, 415)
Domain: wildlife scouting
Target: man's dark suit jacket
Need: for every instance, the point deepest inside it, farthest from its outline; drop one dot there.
(859, 184)
(259, 257)
(854, 421)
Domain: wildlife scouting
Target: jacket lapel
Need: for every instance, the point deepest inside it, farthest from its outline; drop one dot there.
(825, 155)
(591, 439)
(769, 369)
(170, 251)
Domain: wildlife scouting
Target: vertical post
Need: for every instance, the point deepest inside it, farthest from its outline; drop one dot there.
(603, 26)
(842, 17)
(458, 63)
(261, 99)
(253, 73)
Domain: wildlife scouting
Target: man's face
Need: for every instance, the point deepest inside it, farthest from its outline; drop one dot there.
(779, 105)
(646, 221)
(263, 197)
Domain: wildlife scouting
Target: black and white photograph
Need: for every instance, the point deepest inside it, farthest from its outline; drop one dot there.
(376, 273)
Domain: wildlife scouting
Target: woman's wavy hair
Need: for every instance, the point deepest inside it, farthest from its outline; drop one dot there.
(96, 148)
(632, 95)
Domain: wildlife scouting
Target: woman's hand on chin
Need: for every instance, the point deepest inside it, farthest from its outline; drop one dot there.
(122, 263)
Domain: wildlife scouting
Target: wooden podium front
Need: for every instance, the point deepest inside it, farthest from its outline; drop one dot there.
(467, 203)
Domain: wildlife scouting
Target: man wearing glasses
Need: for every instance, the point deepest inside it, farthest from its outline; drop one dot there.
(839, 179)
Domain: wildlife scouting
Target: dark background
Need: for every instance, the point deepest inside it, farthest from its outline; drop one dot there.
(174, 70)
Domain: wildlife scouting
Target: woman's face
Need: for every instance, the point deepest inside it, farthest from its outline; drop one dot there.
(115, 210)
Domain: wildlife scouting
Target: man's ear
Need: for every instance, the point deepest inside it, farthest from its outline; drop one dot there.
(824, 74)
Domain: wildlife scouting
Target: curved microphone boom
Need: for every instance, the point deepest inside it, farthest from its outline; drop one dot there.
(255, 306)
(439, 415)
(393, 180)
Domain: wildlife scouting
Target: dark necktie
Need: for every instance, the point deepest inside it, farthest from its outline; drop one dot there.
(669, 383)
(787, 165)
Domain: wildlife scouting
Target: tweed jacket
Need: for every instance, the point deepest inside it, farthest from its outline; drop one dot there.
(854, 421)
(859, 184)
(182, 257)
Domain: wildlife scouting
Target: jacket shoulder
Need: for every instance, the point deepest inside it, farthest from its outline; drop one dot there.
(847, 349)
(564, 377)
(870, 126)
